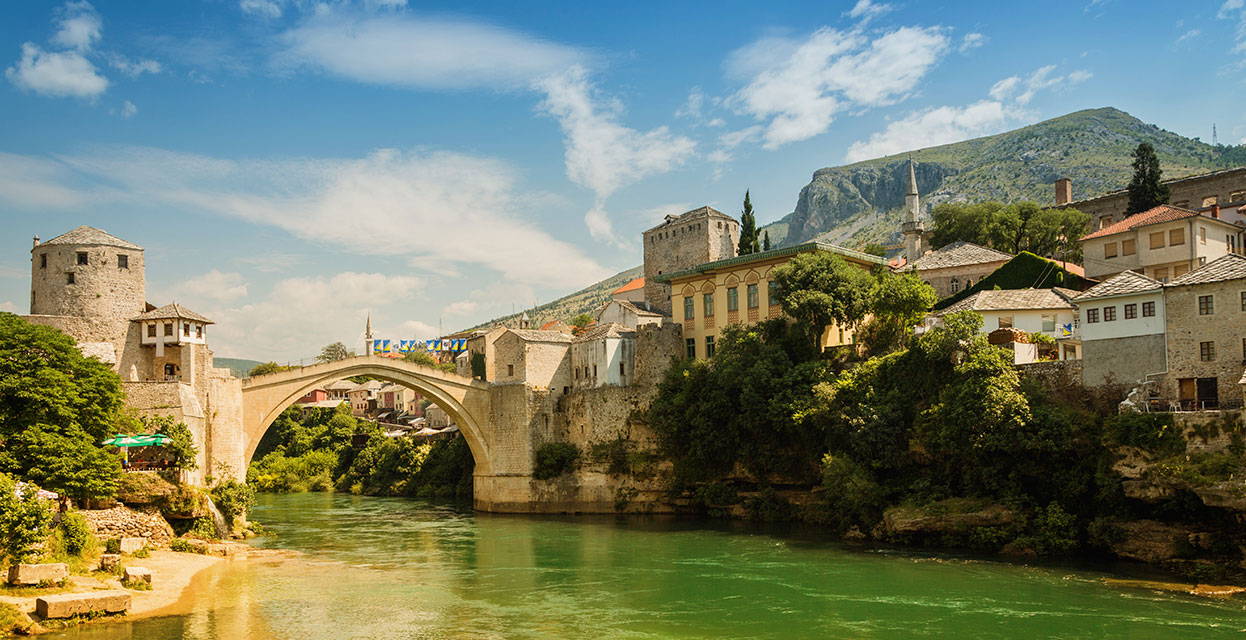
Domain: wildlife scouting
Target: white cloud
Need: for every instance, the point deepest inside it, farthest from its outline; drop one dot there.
(57, 74)
(214, 285)
(265, 8)
(602, 154)
(866, 10)
(425, 52)
(79, 26)
(797, 87)
(691, 107)
(1235, 10)
(971, 41)
(28, 182)
(1022, 90)
(932, 127)
(128, 110)
(134, 68)
(419, 330)
(654, 215)
(381, 204)
(461, 308)
(8, 306)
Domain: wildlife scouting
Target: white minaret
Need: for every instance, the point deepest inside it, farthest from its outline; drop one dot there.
(913, 226)
(367, 337)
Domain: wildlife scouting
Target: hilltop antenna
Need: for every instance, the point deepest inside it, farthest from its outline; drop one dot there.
(1214, 140)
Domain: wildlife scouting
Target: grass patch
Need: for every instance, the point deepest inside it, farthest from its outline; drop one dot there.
(38, 590)
(1198, 469)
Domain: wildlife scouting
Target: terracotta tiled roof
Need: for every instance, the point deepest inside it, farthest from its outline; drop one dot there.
(1157, 215)
(91, 235)
(1014, 299)
(608, 330)
(959, 254)
(1123, 283)
(635, 309)
(1229, 267)
(631, 286)
(172, 310)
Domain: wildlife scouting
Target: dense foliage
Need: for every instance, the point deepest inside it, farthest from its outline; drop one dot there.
(820, 288)
(25, 520)
(265, 368)
(554, 459)
(181, 450)
(1013, 228)
(334, 352)
(423, 358)
(1022, 272)
(56, 405)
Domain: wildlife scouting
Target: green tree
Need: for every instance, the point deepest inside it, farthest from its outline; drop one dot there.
(423, 357)
(55, 407)
(583, 320)
(748, 229)
(819, 288)
(900, 303)
(765, 241)
(25, 521)
(1021, 226)
(334, 352)
(1146, 189)
(182, 448)
(265, 368)
(875, 249)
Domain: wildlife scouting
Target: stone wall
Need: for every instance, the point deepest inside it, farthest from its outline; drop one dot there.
(1188, 193)
(117, 522)
(1122, 360)
(965, 276)
(1054, 374)
(1225, 328)
(224, 453)
(100, 290)
(683, 244)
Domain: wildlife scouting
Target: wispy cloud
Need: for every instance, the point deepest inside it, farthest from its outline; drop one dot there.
(1235, 10)
(8, 306)
(215, 285)
(865, 10)
(971, 41)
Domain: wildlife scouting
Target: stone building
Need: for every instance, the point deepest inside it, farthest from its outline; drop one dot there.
(604, 356)
(536, 359)
(1206, 326)
(628, 314)
(91, 285)
(957, 266)
(1165, 242)
(633, 292)
(363, 397)
(1047, 311)
(682, 242)
(1122, 330)
(713, 295)
(1224, 189)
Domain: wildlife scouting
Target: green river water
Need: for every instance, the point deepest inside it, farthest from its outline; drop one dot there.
(396, 568)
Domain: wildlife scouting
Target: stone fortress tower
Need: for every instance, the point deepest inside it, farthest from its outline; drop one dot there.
(682, 242)
(92, 286)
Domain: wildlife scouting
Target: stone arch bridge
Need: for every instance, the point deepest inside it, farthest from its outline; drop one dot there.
(466, 400)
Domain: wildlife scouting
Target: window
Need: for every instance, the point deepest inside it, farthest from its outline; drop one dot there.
(1157, 240)
(1161, 274)
(1092, 316)
(621, 372)
(733, 299)
(688, 312)
(1005, 322)
(1129, 247)
(708, 300)
(709, 343)
(168, 329)
(186, 329)
(1049, 322)
(955, 285)
(1206, 305)
(594, 371)
(123, 261)
(1109, 314)
(1209, 200)
(1243, 348)
(198, 331)
(82, 257)
(151, 330)
(1131, 311)
(1148, 309)
(1202, 235)
(577, 373)
(1176, 237)
(69, 278)
(692, 347)
(752, 296)
(1207, 351)
(43, 261)
(1105, 221)
(1237, 196)
(510, 369)
(1244, 301)
(1109, 250)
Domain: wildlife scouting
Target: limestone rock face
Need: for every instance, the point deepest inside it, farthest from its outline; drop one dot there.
(1146, 491)
(903, 522)
(1227, 495)
(122, 522)
(1148, 540)
(74, 604)
(33, 574)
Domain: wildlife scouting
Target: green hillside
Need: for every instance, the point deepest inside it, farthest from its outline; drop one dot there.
(567, 307)
(863, 202)
(238, 366)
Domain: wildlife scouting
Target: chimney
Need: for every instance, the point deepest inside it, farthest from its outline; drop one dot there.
(1064, 191)
(1215, 211)
(36, 242)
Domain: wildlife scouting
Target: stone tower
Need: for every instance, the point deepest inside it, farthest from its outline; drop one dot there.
(913, 228)
(683, 242)
(87, 273)
(367, 337)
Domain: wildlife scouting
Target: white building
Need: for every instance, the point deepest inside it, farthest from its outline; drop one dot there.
(628, 314)
(1046, 311)
(1165, 242)
(604, 356)
(1122, 329)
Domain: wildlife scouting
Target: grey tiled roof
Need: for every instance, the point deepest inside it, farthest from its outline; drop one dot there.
(635, 309)
(1014, 299)
(91, 235)
(608, 330)
(172, 310)
(1123, 283)
(959, 254)
(534, 335)
(1229, 267)
(695, 213)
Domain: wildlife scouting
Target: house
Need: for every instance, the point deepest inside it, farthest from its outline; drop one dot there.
(537, 359)
(480, 343)
(1206, 326)
(957, 266)
(633, 292)
(1225, 189)
(1164, 242)
(436, 417)
(682, 242)
(179, 336)
(338, 390)
(313, 396)
(713, 295)
(1046, 311)
(397, 398)
(628, 314)
(363, 397)
(1122, 330)
(604, 356)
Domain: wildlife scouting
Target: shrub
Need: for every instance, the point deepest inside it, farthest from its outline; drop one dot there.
(233, 498)
(77, 533)
(1154, 432)
(25, 520)
(553, 459)
(185, 546)
(112, 545)
(852, 496)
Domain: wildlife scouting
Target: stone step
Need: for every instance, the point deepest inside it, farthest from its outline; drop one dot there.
(33, 574)
(137, 574)
(68, 605)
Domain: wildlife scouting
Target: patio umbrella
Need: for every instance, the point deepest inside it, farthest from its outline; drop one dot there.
(124, 441)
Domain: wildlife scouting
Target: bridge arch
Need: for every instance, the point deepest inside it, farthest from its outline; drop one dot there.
(464, 399)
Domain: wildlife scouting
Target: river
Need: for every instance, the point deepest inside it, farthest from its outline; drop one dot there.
(396, 568)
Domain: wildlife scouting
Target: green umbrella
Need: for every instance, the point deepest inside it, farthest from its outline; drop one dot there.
(141, 440)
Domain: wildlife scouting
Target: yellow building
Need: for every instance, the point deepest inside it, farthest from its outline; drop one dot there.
(710, 296)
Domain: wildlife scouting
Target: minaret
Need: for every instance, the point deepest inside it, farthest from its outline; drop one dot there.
(913, 228)
(367, 337)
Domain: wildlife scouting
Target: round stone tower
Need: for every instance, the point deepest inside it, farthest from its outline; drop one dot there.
(87, 273)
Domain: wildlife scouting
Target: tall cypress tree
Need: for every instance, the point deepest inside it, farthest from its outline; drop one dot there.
(1146, 190)
(748, 229)
(765, 241)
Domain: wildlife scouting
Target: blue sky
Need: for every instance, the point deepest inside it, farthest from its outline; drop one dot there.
(291, 166)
